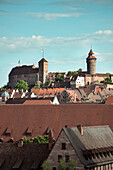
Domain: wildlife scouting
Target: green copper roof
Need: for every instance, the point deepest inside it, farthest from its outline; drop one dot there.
(5, 94)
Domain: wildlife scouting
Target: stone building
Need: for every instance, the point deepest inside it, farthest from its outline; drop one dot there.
(90, 147)
(31, 74)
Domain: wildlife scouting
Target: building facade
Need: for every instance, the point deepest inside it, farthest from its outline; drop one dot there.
(90, 147)
(29, 74)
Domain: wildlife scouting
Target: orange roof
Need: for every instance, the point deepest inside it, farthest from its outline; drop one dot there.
(52, 91)
(109, 100)
(91, 52)
(42, 102)
(90, 55)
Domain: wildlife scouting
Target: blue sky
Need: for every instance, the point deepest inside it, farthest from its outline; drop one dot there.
(65, 29)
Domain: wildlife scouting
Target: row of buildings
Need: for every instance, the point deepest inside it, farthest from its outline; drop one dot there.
(35, 75)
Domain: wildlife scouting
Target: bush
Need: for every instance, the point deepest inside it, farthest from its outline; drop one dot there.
(46, 165)
(38, 139)
(71, 165)
(62, 165)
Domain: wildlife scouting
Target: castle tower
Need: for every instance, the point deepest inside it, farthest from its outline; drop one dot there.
(91, 63)
(43, 70)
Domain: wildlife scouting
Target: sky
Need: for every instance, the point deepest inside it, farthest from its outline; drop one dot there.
(65, 29)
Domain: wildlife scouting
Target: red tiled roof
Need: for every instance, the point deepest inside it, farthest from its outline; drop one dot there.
(39, 117)
(109, 100)
(90, 55)
(50, 91)
(37, 102)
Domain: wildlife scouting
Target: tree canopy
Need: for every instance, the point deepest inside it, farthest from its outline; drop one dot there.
(107, 80)
(72, 73)
(60, 77)
(22, 85)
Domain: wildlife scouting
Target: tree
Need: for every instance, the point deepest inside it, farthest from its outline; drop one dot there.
(22, 85)
(107, 80)
(79, 70)
(72, 73)
(60, 77)
(6, 87)
(71, 165)
(62, 165)
(46, 165)
(47, 83)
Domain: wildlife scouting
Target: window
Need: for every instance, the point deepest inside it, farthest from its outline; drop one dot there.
(67, 158)
(59, 158)
(54, 168)
(63, 146)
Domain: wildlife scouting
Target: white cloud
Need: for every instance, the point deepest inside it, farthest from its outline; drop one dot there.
(104, 32)
(21, 44)
(53, 16)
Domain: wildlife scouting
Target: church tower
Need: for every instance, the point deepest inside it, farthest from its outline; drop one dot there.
(91, 63)
(43, 70)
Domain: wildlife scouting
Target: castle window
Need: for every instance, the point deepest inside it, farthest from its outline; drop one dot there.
(59, 158)
(63, 146)
(54, 168)
(67, 158)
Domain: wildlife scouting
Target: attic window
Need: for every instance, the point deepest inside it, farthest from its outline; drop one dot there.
(29, 132)
(86, 157)
(97, 155)
(8, 132)
(100, 153)
(17, 164)
(1, 140)
(63, 146)
(1, 162)
(105, 154)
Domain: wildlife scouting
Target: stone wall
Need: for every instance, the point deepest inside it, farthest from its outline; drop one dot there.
(29, 78)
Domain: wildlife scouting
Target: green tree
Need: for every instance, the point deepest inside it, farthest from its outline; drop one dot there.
(6, 87)
(72, 73)
(22, 85)
(47, 83)
(46, 165)
(62, 165)
(79, 70)
(107, 80)
(71, 165)
(60, 77)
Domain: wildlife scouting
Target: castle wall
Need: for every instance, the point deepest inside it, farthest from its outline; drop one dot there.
(29, 78)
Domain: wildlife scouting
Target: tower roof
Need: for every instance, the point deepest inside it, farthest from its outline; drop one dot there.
(90, 55)
(5, 94)
(43, 60)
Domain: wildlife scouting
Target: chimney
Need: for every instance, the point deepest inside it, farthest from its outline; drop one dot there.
(80, 128)
(50, 139)
(20, 143)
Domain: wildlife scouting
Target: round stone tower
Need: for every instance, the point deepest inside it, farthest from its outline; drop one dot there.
(91, 63)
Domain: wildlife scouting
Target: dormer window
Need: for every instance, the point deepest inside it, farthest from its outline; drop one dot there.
(29, 132)
(63, 146)
(8, 132)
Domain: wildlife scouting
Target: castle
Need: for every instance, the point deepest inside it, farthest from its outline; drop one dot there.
(34, 75)
(30, 74)
(89, 76)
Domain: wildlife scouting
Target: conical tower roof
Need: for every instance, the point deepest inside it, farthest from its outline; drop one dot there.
(5, 94)
(91, 55)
